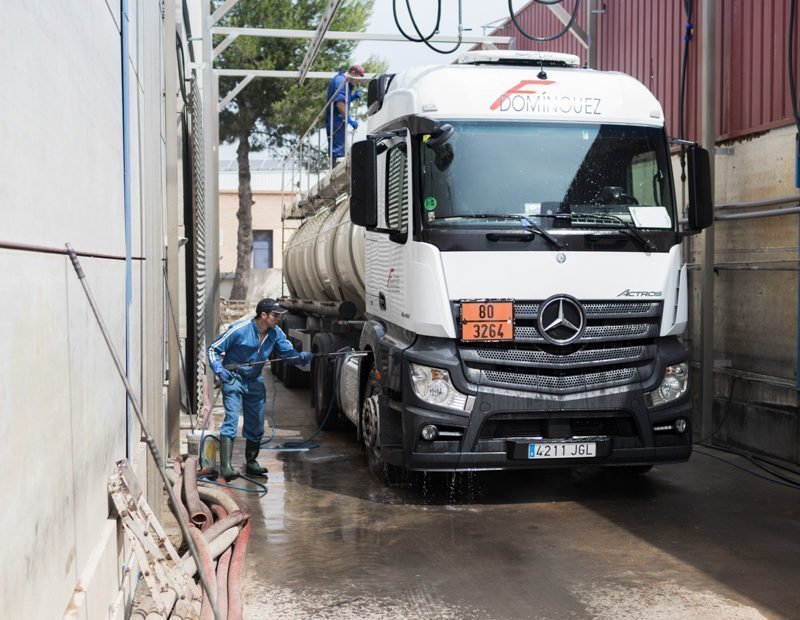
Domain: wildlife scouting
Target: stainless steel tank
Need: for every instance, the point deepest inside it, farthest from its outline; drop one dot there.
(324, 259)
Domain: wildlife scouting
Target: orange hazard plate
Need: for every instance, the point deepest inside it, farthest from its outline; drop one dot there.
(487, 320)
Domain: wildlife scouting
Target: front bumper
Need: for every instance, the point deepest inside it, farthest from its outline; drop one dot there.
(476, 449)
(504, 422)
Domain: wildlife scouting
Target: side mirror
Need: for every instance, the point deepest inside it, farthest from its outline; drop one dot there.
(363, 184)
(376, 91)
(701, 196)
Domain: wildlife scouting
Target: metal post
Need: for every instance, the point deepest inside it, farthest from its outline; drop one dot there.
(708, 107)
(171, 78)
(591, 26)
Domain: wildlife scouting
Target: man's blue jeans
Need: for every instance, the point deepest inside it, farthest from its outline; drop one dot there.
(249, 397)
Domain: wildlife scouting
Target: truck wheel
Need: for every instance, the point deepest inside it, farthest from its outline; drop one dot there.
(383, 471)
(323, 398)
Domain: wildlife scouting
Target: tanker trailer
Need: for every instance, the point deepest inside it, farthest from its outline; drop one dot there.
(324, 272)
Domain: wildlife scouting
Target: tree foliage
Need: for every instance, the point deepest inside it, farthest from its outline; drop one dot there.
(277, 111)
(271, 113)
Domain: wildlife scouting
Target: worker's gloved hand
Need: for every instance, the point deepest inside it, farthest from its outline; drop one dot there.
(357, 94)
(305, 358)
(223, 373)
(353, 123)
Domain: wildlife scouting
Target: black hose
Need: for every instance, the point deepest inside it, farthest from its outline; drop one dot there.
(558, 35)
(688, 6)
(687, 37)
(423, 38)
(790, 52)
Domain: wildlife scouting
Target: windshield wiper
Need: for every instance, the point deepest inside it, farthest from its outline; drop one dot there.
(527, 224)
(635, 233)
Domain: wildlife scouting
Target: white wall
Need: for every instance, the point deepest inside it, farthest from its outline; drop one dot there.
(62, 405)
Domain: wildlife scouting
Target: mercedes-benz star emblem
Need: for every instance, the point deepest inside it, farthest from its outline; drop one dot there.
(561, 319)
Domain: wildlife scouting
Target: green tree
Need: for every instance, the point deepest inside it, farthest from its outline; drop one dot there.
(270, 114)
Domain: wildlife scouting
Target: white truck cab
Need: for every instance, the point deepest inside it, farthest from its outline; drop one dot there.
(524, 289)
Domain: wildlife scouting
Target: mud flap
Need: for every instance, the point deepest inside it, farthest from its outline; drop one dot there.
(390, 427)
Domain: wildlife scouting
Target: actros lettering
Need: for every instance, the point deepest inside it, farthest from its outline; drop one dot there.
(629, 293)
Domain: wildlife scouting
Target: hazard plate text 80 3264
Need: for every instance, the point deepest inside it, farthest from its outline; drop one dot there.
(489, 320)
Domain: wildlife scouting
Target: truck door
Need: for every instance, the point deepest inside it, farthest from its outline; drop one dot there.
(388, 246)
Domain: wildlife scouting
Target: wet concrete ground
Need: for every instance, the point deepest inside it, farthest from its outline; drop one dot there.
(696, 540)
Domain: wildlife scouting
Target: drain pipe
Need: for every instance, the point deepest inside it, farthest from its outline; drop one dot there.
(126, 192)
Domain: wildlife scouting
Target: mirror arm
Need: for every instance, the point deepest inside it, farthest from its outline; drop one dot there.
(689, 232)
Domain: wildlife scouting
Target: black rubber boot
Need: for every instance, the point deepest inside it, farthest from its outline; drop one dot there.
(251, 452)
(225, 454)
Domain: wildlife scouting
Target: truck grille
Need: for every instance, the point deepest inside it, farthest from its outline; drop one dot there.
(564, 383)
(616, 348)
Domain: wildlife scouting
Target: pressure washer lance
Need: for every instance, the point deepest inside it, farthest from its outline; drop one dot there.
(270, 362)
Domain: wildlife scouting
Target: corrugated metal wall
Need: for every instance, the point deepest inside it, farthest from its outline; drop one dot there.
(645, 39)
(196, 340)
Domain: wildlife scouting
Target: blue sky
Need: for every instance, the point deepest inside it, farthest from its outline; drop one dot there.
(475, 15)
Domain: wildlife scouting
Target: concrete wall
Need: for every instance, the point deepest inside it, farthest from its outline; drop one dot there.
(266, 216)
(62, 405)
(755, 299)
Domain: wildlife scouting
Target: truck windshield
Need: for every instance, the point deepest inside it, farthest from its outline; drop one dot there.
(557, 175)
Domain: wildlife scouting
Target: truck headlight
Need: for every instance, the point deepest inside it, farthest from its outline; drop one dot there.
(433, 386)
(674, 385)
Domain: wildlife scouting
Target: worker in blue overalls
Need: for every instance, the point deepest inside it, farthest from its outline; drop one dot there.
(337, 114)
(245, 342)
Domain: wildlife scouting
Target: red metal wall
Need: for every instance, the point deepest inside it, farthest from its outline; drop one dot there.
(645, 39)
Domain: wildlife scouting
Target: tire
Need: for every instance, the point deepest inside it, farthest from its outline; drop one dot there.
(323, 397)
(383, 471)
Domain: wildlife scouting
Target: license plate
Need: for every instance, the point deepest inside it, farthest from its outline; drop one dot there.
(562, 450)
(487, 320)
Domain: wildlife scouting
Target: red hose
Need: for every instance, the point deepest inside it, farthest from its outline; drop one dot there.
(176, 489)
(198, 511)
(223, 564)
(206, 611)
(233, 519)
(235, 607)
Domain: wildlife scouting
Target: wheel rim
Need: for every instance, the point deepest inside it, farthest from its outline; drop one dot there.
(371, 440)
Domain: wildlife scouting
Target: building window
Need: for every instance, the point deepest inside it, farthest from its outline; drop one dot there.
(262, 249)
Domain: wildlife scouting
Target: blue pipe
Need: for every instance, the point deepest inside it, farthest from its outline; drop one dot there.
(126, 183)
